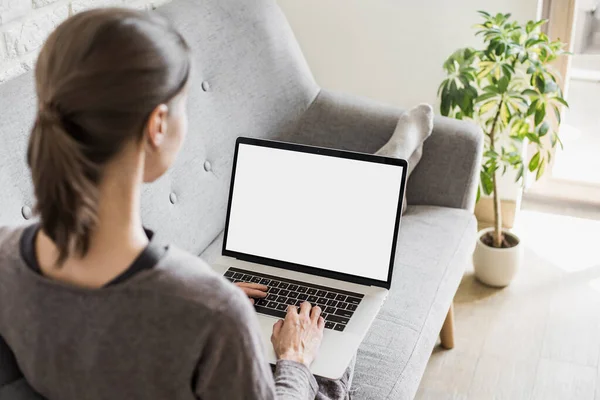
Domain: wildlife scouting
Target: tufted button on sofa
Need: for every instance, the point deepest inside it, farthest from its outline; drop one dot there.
(251, 79)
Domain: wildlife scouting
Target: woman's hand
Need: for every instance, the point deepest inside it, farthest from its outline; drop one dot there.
(299, 336)
(253, 290)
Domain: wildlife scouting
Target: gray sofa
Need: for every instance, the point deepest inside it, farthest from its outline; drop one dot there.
(250, 79)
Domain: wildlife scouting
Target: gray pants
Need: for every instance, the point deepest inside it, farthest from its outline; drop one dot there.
(334, 389)
(338, 389)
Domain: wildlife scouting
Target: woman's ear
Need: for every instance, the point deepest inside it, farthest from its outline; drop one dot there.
(156, 127)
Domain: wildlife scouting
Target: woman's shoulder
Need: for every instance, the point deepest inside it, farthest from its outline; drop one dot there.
(189, 278)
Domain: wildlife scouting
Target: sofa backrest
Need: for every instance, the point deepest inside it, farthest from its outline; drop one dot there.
(249, 79)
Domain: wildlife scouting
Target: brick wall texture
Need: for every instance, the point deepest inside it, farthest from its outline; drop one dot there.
(25, 24)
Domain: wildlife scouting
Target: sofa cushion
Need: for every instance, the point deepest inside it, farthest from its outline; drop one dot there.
(434, 247)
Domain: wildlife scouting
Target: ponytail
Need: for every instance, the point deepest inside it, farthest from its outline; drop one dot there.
(65, 185)
(98, 77)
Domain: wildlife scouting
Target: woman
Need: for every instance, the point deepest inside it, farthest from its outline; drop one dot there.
(92, 307)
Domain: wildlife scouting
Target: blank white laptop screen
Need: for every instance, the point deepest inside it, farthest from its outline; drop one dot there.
(320, 211)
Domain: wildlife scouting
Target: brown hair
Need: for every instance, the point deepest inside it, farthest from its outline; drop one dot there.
(99, 76)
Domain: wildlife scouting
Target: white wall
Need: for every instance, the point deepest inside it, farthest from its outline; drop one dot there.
(25, 24)
(390, 50)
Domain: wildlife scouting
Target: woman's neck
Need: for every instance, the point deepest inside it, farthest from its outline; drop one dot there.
(117, 240)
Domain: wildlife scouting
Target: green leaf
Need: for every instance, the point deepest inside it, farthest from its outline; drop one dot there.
(490, 154)
(450, 65)
(465, 101)
(532, 42)
(529, 26)
(520, 173)
(543, 129)
(517, 102)
(503, 84)
(491, 89)
(540, 84)
(500, 49)
(484, 97)
(478, 193)
(557, 113)
(508, 70)
(562, 147)
(540, 170)
(442, 85)
(532, 108)
(453, 87)
(468, 53)
(536, 25)
(550, 87)
(446, 102)
(534, 162)
(485, 14)
(486, 183)
(540, 114)
(487, 107)
(533, 138)
(561, 101)
(530, 93)
(505, 115)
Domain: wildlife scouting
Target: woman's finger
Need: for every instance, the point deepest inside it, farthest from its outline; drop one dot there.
(292, 314)
(315, 314)
(252, 301)
(254, 293)
(277, 328)
(251, 285)
(305, 309)
(321, 323)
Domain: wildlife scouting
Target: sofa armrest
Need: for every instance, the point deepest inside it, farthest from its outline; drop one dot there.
(18, 390)
(448, 173)
(12, 384)
(9, 370)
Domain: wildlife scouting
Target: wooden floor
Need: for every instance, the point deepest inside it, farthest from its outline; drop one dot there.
(539, 338)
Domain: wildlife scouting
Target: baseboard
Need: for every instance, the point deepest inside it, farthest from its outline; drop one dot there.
(585, 75)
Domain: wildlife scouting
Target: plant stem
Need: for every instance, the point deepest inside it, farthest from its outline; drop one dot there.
(497, 214)
(497, 210)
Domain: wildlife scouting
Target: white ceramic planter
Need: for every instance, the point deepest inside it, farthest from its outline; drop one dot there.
(496, 267)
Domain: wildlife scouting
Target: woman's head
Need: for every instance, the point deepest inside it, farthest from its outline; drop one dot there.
(107, 80)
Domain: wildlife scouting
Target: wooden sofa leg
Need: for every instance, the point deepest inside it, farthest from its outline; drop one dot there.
(447, 332)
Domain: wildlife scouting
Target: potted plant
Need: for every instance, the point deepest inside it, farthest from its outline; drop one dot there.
(511, 91)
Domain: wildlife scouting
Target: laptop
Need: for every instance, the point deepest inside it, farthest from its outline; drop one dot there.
(317, 225)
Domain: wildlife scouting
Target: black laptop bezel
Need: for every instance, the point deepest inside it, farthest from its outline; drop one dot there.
(327, 152)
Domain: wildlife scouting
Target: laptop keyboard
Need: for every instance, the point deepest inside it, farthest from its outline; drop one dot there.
(337, 306)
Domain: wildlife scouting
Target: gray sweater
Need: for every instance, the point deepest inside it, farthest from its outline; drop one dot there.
(176, 331)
